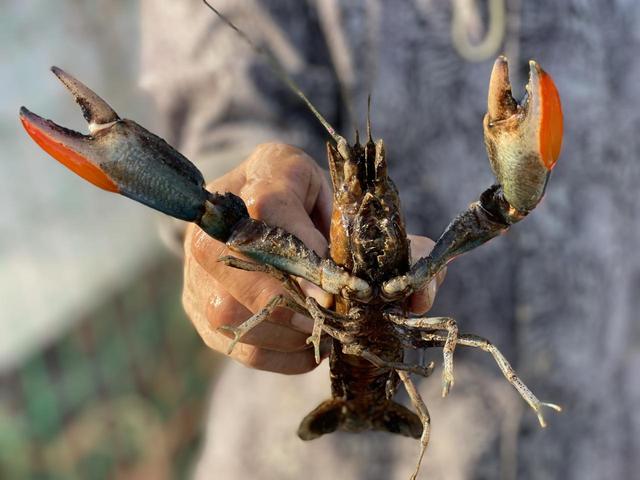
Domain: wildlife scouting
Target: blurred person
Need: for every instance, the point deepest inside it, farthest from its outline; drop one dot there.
(558, 294)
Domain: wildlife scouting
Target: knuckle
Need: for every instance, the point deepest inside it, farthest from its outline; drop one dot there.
(275, 160)
(275, 204)
(204, 249)
(261, 199)
(265, 155)
(216, 317)
(197, 241)
(222, 310)
(271, 201)
(198, 320)
(274, 148)
(229, 182)
(267, 147)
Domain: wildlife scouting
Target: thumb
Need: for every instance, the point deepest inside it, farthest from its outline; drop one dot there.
(422, 301)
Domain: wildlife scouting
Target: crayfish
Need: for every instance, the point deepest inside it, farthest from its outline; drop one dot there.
(369, 271)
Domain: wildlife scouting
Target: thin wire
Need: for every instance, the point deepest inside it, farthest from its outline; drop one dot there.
(331, 21)
(277, 68)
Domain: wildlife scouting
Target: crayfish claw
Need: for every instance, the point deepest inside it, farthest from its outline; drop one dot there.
(70, 148)
(523, 140)
(95, 110)
(120, 156)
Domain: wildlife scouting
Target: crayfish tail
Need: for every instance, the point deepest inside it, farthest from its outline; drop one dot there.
(356, 416)
(325, 418)
(396, 418)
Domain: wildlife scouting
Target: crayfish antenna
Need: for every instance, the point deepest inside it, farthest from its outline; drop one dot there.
(279, 71)
(369, 139)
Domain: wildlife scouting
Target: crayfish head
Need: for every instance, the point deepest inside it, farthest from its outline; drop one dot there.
(523, 140)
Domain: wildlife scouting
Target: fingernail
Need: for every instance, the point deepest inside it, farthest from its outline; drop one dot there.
(301, 323)
(310, 290)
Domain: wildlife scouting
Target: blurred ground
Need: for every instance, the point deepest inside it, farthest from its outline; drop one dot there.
(121, 395)
(101, 376)
(63, 243)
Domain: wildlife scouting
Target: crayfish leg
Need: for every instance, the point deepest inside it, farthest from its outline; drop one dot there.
(423, 412)
(435, 323)
(505, 367)
(255, 320)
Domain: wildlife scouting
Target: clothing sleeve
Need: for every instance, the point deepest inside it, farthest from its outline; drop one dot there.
(216, 98)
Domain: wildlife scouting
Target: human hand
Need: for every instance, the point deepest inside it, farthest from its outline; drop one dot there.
(282, 186)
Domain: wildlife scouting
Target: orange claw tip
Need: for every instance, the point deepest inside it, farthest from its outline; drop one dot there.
(551, 126)
(64, 145)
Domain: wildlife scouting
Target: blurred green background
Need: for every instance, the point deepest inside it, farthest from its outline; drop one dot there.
(101, 375)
